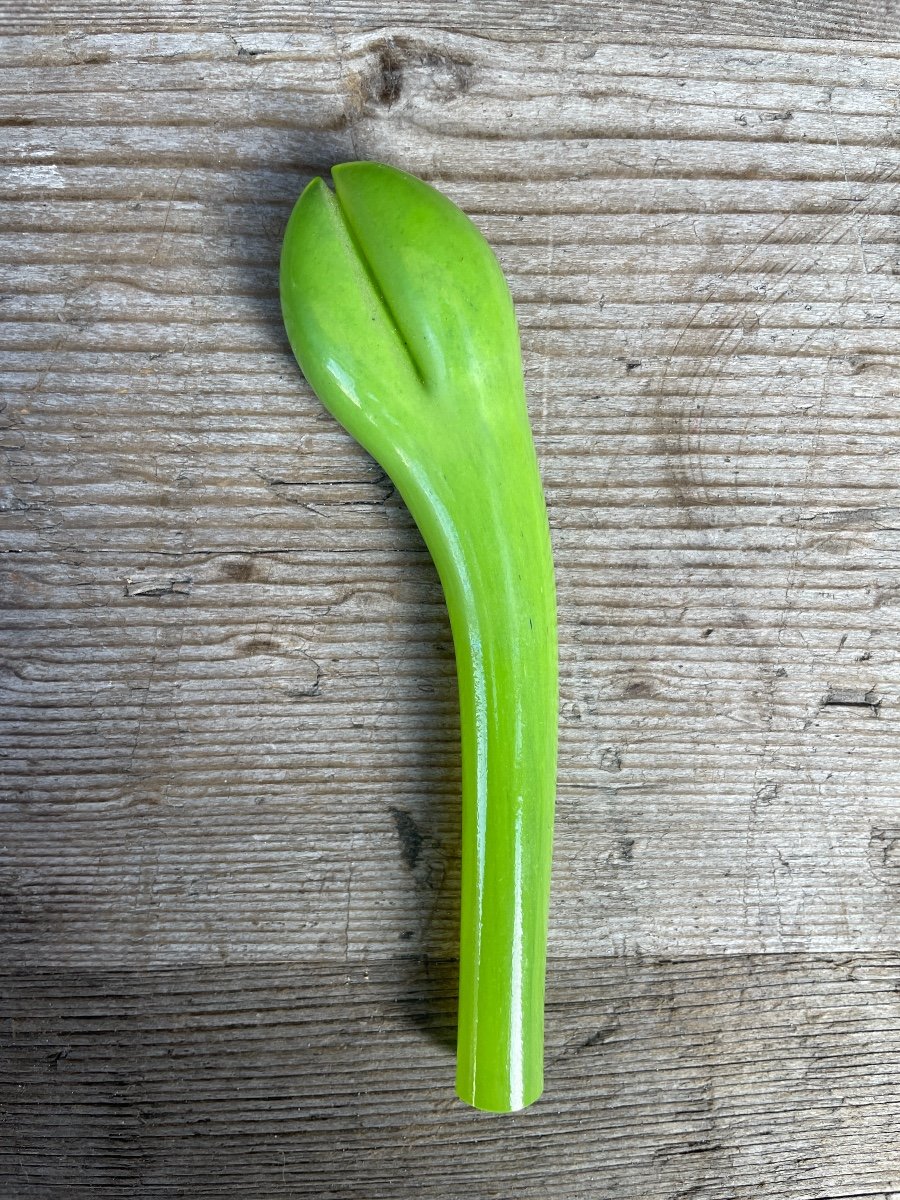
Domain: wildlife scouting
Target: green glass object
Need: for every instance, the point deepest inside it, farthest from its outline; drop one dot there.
(401, 319)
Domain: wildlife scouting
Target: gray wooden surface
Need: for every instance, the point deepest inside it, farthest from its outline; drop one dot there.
(228, 853)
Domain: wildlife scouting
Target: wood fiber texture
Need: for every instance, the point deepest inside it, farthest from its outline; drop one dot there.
(228, 746)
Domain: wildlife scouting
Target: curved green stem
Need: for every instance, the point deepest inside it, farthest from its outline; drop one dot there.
(400, 317)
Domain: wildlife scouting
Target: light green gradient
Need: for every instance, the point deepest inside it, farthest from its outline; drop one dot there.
(401, 319)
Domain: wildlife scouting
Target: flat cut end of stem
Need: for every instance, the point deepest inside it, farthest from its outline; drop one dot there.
(487, 1097)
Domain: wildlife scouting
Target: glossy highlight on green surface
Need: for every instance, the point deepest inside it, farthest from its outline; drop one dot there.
(400, 317)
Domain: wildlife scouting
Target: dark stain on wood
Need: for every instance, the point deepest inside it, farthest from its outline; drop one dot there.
(238, 570)
(409, 835)
(866, 699)
(260, 645)
(447, 75)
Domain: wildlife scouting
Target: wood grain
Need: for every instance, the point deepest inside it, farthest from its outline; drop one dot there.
(746, 1077)
(228, 705)
(853, 19)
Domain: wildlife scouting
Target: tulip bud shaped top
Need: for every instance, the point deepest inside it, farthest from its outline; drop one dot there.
(401, 319)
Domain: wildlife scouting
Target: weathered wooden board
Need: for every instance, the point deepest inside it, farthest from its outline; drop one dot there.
(229, 672)
(856, 19)
(742, 1077)
(228, 707)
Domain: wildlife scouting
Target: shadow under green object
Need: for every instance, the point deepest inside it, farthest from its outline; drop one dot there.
(400, 317)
